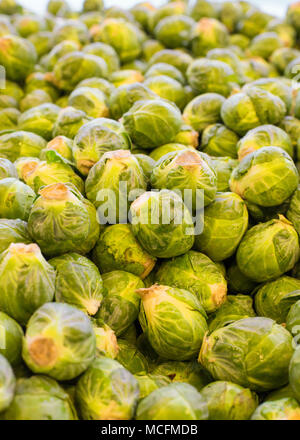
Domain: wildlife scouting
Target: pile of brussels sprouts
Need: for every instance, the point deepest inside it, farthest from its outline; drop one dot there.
(149, 320)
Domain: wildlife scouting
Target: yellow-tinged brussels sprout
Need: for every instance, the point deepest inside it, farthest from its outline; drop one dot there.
(254, 22)
(34, 99)
(158, 303)
(42, 41)
(58, 7)
(293, 15)
(204, 110)
(120, 305)
(69, 121)
(159, 152)
(281, 409)
(150, 382)
(93, 5)
(229, 401)
(131, 358)
(41, 81)
(177, 58)
(225, 223)
(284, 30)
(27, 281)
(280, 177)
(150, 48)
(61, 221)
(268, 250)
(175, 31)
(170, 9)
(9, 118)
(293, 318)
(18, 57)
(16, 199)
(7, 102)
(202, 8)
(13, 231)
(252, 352)
(62, 146)
(291, 126)
(21, 144)
(50, 60)
(40, 398)
(277, 87)
(162, 223)
(12, 89)
(126, 77)
(96, 138)
(106, 52)
(90, 100)
(218, 140)
(106, 340)
(78, 282)
(190, 170)
(187, 136)
(265, 44)
(29, 24)
(98, 83)
(166, 70)
(146, 163)
(118, 249)
(275, 298)
(11, 338)
(282, 57)
(223, 167)
(107, 391)
(7, 169)
(178, 401)
(230, 14)
(71, 30)
(208, 34)
(10, 7)
(40, 120)
(196, 273)
(59, 341)
(7, 383)
(238, 282)
(167, 88)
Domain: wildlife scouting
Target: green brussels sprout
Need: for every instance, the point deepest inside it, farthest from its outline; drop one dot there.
(218, 140)
(258, 359)
(93, 5)
(69, 121)
(40, 398)
(78, 282)
(223, 167)
(225, 223)
(208, 34)
(27, 281)
(126, 77)
(150, 48)
(18, 57)
(245, 111)
(175, 31)
(284, 30)
(294, 373)
(29, 24)
(42, 41)
(58, 7)
(152, 123)
(110, 182)
(72, 30)
(167, 88)
(107, 391)
(230, 14)
(13, 231)
(275, 86)
(21, 144)
(106, 341)
(168, 10)
(9, 118)
(254, 22)
(162, 223)
(106, 52)
(204, 110)
(160, 301)
(165, 70)
(50, 60)
(130, 335)
(59, 341)
(40, 120)
(159, 152)
(96, 138)
(120, 304)
(198, 274)
(238, 282)
(7, 102)
(239, 40)
(275, 298)
(11, 337)
(291, 126)
(202, 8)
(234, 308)
(7, 383)
(190, 372)
(274, 164)
(150, 382)
(12, 89)
(90, 100)
(263, 45)
(62, 147)
(229, 401)
(264, 136)
(293, 318)
(146, 163)
(98, 83)
(282, 57)
(187, 136)
(118, 249)
(178, 401)
(77, 66)
(293, 16)
(177, 58)
(34, 99)
(16, 199)
(282, 409)
(268, 250)
(61, 221)
(211, 76)
(41, 81)
(186, 169)
(7, 169)
(131, 358)
(281, 393)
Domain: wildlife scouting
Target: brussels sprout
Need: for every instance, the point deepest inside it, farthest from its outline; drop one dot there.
(264, 136)
(131, 358)
(90, 100)
(234, 308)
(130, 335)
(41, 81)
(58, 7)
(294, 373)
(196, 273)
(61, 221)
(63, 148)
(17, 56)
(208, 34)
(238, 282)
(7, 102)
(244, 111)
(40, 398)
(110, 182)
(178, 401)
(293, 16)
(107, 391)
(152, 123)
(150, 382)
(93, 5)
(229, 401)
(175, 31)
(162, 223)
(273, 164)
(126, 77)
(159, 152)
(265, 44)
(118, 249)
(59, 341)
(165, 70)
(225, 223)
(258, 359)
(11, 337)
(291, 126)
(100, 84)
(218, 140)
(69, 121)
(203, 111)
(293, 317)
(106, 340)
(188, 372)
(282, 409)
(158, 303)
(16, 199)
(12, 89)
(275, 86)
(27, 25)
(274, 299)
(146, 163)
(284, 30)
(13, 231)
(202, 8)
(186, 170)
(283, 56)
(177, 58)
(78, 282)
(9, 119)
(223, 167)
(167, 88)
(34, 99)
(40, 120)
(72, 30)
(150, 48)
(7, 383)
(42, 41)
(57, 52)
(96, 138)
(21, 144)
(239, 41)
(281, 393)
(268, 250)
(230, 14)
(106, 52)
(211, 76)
(120, 305)
(254, 22)
(7, 169)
